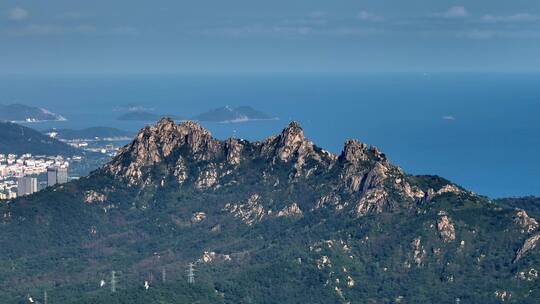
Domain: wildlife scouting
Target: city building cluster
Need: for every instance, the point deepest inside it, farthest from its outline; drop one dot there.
(20, 174)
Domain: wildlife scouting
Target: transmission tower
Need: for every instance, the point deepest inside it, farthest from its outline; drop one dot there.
(113, 281)
(191, 273)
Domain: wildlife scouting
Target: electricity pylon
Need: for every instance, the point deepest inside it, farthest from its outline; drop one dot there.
(191, 273)
(113, 281)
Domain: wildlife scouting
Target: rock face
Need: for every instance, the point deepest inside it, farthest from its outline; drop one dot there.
(292, 210)
(446, 229)
(528, 223)
(419, 252)
(94, 197)
(529, 245)
(250, 212)
(160, 144)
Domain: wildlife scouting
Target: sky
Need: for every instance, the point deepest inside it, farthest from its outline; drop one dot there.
(253, 36)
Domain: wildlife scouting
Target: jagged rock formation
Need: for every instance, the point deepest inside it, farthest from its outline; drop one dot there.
(529, 245)
(528, 223)
(361, 176)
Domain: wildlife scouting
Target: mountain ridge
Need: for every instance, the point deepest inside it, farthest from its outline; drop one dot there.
(19, 139)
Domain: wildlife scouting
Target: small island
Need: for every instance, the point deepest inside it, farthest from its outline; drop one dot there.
(143, 116)
(229, 114)
(138, 116)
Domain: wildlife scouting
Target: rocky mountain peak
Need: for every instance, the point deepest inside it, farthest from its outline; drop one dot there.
(165, 124)
(354, 151)
(291, 140)
(161, 143)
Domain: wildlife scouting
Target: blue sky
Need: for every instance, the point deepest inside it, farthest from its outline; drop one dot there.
(241, 36)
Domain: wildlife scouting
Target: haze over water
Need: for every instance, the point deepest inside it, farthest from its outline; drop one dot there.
(478, 130)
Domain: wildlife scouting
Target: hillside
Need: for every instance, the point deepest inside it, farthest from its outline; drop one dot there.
(275, 221)
(19, 139)
(24, 113)
(530, 204)
(91, 133)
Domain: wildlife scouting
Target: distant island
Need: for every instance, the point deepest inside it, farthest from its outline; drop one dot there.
(24, 113)
(132, 107)
(139, 116)
(19, 139)
(142, 116)
(229, 114)
(90, 134)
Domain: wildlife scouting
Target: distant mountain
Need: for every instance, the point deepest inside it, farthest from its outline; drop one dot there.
(90, 133)
(139, 116)
(279, 220)
(132, 107)
(19, 139)
(142, 116)
(24, 113)
(229, 114)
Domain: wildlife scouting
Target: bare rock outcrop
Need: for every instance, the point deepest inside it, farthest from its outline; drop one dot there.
(527, 223)
(233, 151)
(419, 252)
(212, 257)
(529, 245)
(249, 212)
(292, 141)
(290, 211)
(91, 197)
(447, 231)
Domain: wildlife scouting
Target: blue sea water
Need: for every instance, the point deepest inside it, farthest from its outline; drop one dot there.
(478, 130)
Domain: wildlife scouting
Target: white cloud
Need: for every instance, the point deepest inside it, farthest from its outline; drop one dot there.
(49, 29)
(492, 34)
(257, 30)
(454, 12)
(18, 14)
(367, 16)
(279, 31)
(55, 29)
(520, 17)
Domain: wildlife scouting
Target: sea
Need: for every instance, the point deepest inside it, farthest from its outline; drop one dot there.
(481, 131)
